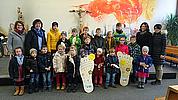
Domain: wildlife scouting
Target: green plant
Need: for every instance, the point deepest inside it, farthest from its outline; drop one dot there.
(172, 28)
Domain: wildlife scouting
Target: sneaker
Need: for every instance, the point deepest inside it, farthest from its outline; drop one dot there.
(113, 86)
(106, 87)
(63, 87)
(139, 85)
(142, 85)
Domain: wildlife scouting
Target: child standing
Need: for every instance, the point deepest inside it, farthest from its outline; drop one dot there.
(73, 63)
(144, 63)
(134, 51)
(34, 72)
(45, 63)
(122, 47)
(75, 39)
(99, 67)
(111, 70)
(17, 66)
(87, 48)
(98, 40)
(109, 42)
(59, 65)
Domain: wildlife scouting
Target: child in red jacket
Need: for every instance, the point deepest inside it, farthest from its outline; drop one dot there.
(122, 47)
(98, 67)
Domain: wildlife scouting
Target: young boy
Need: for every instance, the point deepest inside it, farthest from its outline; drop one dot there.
(45, 63)
(59, 65)
(34, 72)
(73, 63)
(74, 39)
(119, 33)
(98, 67)
(111, 70)
(134, 51)
(98, 40)
(144, 62)
(87, 48)
(17, 67)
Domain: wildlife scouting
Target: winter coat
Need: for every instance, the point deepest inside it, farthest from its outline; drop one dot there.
(73, 64)
(59, 62)
(83, 38)
(86, 49)
(111, 60)
(52, 39)
(77, 43)
(66, 42)
(32, 63)
(118, 35)
(147, 60)
(106, 44)
(158, 47)
(134, 51)
(15, 40)
(122, 48)
(31, 41)
(144, 39)
(44, 61)
(98, 42)
(13, 68)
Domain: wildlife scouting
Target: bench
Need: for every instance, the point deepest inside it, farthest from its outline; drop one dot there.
(172, 54)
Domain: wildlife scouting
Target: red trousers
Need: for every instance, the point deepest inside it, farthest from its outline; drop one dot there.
(98, 75)
(61, 77)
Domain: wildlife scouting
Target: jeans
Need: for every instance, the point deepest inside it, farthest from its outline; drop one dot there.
(110, 76)
(46, 79)
(34, 78)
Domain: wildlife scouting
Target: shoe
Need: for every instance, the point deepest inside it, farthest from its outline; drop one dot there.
(74, 88)
(69, 88)
(21, 91)
(36, 89)
(63, 87)
(113, 86)
(142, 85)
(49, 89)
(156, 82)
(139, 85)
(58, 88)
(17, 89)
(106, 87)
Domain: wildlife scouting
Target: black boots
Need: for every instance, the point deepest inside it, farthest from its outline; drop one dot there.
(156, 82)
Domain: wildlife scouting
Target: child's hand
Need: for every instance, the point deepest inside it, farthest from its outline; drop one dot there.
(31, 70)
(95, 64)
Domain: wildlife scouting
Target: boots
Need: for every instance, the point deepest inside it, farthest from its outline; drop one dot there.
(21, 91)
(156, 82)
(17, 89)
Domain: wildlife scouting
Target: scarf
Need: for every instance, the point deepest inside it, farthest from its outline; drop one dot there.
(39, 32)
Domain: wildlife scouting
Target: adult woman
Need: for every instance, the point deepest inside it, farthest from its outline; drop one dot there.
(35, 38)
(16, 37)
(143, 37)
(158, 47)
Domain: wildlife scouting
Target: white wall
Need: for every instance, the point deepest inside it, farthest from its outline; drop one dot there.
(58, 10)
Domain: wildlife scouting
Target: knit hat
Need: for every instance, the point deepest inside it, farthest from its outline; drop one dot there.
(33, 50)
(64, 32)
(145, 48)
(100, 49)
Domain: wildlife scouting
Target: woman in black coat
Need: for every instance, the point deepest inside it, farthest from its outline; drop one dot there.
(143, 37)
(158, 47)
(35, 38)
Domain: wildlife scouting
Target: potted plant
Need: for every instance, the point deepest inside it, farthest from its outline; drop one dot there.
(172, 29)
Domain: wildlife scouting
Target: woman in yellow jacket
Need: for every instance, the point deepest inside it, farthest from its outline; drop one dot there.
(52, 38)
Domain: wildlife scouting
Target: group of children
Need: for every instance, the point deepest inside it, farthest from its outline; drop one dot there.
(65, 62)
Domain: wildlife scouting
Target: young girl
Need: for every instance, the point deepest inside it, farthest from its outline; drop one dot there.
(59, 65)
(122, 47)
(111, 70)
(99, 67)
(144, 63)
(34, 72)
(17, 66)
(73, 63)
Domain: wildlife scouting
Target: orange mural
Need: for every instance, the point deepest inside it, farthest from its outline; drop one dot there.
(125, 11)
